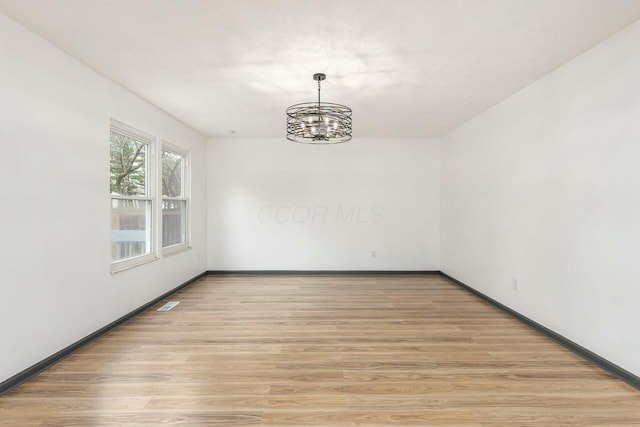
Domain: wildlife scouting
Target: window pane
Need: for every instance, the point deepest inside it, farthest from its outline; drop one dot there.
(172, 171)
(130, 228)
(128, 166)
(174, 222)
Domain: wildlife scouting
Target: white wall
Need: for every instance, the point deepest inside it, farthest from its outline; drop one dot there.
(545, 188)
(55, 283)
(275, 204)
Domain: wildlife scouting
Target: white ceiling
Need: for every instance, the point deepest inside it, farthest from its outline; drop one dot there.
(408, 68)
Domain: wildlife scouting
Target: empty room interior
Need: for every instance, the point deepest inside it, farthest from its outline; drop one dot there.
(460, 249)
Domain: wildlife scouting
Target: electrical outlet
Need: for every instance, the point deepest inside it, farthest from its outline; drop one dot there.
(373, 254)
(516, 284)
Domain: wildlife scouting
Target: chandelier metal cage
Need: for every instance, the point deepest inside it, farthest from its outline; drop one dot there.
(319, 122)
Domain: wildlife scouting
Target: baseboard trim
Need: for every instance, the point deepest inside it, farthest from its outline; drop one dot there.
(21, 377)
(588, 355)
(319, 272)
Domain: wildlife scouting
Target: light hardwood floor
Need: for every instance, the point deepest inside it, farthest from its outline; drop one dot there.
(330, 350)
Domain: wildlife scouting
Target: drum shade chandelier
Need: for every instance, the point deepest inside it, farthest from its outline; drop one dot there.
(319, 122)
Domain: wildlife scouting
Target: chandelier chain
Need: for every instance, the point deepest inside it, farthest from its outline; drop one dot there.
(319, 110)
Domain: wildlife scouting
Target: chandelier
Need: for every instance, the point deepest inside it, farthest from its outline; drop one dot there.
(319, 123)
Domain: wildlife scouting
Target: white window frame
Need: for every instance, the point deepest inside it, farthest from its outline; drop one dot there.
(186, 197)
(150, 180)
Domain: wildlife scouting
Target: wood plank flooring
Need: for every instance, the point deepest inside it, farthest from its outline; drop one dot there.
(377, 350)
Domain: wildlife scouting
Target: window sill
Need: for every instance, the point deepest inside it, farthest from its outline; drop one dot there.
(175, 249)
(118, 266)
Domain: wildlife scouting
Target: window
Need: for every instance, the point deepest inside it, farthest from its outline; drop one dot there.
(139, 229)
(174, 198)
(132, 205)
